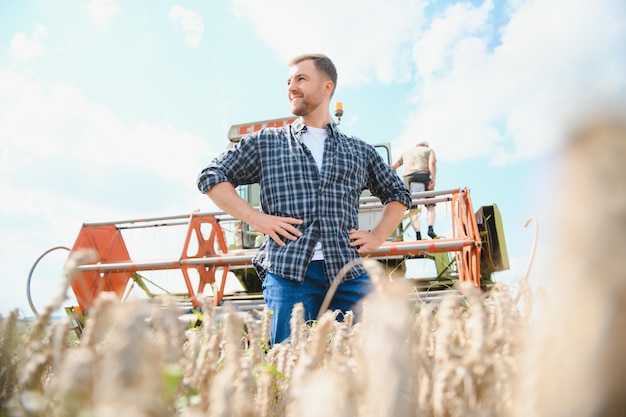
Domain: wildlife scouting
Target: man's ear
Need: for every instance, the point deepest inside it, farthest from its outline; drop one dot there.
(328, 87)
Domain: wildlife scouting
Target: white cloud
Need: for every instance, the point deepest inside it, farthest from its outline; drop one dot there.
(25, 48)
(53, 126)
(510, 101)
(102, 12)
(367, 40)
(190, 22)
(65, 160)
(490, 79)
(431, 52)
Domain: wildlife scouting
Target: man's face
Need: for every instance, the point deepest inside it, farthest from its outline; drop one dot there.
(306, 88)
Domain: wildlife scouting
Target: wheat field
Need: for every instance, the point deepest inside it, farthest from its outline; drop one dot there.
(486, 354)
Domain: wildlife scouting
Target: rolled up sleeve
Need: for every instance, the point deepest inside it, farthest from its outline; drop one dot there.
(238, 166)
(385, 183)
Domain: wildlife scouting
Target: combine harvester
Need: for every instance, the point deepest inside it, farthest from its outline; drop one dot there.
(211, 252)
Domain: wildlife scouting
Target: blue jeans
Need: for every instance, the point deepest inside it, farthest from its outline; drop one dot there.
(282, 294)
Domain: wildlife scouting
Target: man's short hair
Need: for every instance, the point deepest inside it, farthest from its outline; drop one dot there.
(322, 63)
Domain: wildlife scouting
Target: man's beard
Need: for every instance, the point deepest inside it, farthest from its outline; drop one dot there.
(301, 110)
(304, 108)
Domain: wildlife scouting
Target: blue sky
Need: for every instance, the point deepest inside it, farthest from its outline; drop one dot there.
(109, 109)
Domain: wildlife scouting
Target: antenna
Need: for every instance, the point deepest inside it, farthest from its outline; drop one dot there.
(338, 111)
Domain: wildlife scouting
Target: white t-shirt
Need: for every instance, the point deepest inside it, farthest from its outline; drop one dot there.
(314, 138)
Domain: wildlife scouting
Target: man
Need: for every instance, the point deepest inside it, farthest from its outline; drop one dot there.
(420, 172)
(311, 177)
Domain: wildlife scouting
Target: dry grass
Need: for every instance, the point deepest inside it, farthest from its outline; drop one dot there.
(478, 356)
(576, 359)
(139, 359)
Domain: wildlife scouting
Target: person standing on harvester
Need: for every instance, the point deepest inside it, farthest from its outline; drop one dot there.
(419, 174)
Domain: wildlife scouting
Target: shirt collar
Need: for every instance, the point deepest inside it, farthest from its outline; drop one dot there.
(299, 128)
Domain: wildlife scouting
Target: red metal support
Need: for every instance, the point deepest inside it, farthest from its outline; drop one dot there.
(108, 242)
(115, 267)
(464, 227)
(213, 245)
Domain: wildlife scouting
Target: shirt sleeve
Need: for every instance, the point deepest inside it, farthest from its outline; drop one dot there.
(384, 182)
(239, 165)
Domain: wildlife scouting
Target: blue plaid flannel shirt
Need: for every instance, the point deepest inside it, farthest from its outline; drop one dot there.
(292, 186)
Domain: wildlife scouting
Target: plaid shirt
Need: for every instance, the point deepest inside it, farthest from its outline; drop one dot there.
(292, 186)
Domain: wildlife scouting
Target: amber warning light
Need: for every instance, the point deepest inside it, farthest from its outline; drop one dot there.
(338, 111)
